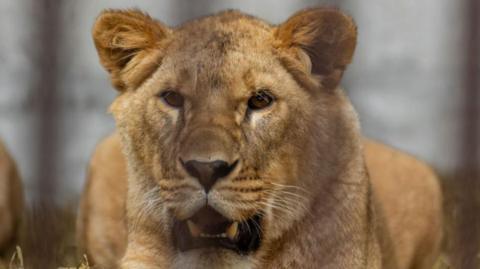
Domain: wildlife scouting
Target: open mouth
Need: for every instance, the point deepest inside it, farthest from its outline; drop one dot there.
(209, 229)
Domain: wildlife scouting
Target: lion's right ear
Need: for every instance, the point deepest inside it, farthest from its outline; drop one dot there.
(129, 44)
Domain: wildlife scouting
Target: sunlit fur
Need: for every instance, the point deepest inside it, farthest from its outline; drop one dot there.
(301, 162)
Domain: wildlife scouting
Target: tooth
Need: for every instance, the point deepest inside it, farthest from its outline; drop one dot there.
(232, 231)
(194, 230)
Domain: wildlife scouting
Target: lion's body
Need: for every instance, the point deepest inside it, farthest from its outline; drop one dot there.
(101, 221)
(11, 199)
(410, 202)
(241, 151)
(407, 191)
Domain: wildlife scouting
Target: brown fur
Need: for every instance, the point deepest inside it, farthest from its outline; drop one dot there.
(11, 200)
(301, 159)
(410, 203)
(101, 225)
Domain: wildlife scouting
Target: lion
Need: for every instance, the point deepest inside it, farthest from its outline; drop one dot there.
(11, 200)
(236, 147)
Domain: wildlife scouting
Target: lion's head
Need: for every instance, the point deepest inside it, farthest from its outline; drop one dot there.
(229, 124)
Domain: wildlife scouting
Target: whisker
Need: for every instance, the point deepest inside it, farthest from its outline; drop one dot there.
(288, 199)
(282, 208)
(257, 226)
(281, 192)
(283, 186)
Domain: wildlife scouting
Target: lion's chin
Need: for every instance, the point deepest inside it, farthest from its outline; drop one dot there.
(209, 229)
(211, 258)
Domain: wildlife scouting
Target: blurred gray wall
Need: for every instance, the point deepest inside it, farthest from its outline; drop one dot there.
(405, 80)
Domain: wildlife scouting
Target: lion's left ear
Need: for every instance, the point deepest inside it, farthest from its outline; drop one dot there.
(327, 36)
(128, 43)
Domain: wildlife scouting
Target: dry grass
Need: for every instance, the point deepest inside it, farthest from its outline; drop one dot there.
(46, 240)
(17, 262)
(442, 263)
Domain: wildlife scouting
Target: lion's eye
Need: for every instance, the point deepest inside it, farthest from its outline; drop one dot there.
(260, 100)
(172, 98)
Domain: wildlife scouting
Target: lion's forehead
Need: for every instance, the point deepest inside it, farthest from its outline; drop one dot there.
(221, 34)
(218, 51)
(229, 24)
(208, 67)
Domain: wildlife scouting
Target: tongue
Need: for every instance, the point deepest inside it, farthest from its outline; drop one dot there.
(210, 221)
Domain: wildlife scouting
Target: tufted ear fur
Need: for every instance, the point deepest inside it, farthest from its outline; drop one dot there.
(326, 35)
(129, 45)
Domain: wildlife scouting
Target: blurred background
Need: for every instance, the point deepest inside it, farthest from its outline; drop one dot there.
(414, 82)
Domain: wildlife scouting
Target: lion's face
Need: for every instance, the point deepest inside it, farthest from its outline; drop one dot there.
(216, 118)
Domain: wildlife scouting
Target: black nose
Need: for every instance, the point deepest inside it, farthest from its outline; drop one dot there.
(208, 173)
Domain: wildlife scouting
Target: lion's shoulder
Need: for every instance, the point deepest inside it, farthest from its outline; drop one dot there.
(391, 169)
(409, 200)
(100, 227)
(108, 152)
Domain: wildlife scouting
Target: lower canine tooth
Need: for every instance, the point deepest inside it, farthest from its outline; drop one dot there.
(232, 231)
(194, 230)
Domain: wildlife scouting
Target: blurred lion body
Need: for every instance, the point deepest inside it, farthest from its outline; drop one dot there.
(11, 199)
(301, 161)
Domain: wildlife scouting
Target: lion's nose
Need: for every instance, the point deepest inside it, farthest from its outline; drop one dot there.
(208, 173)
